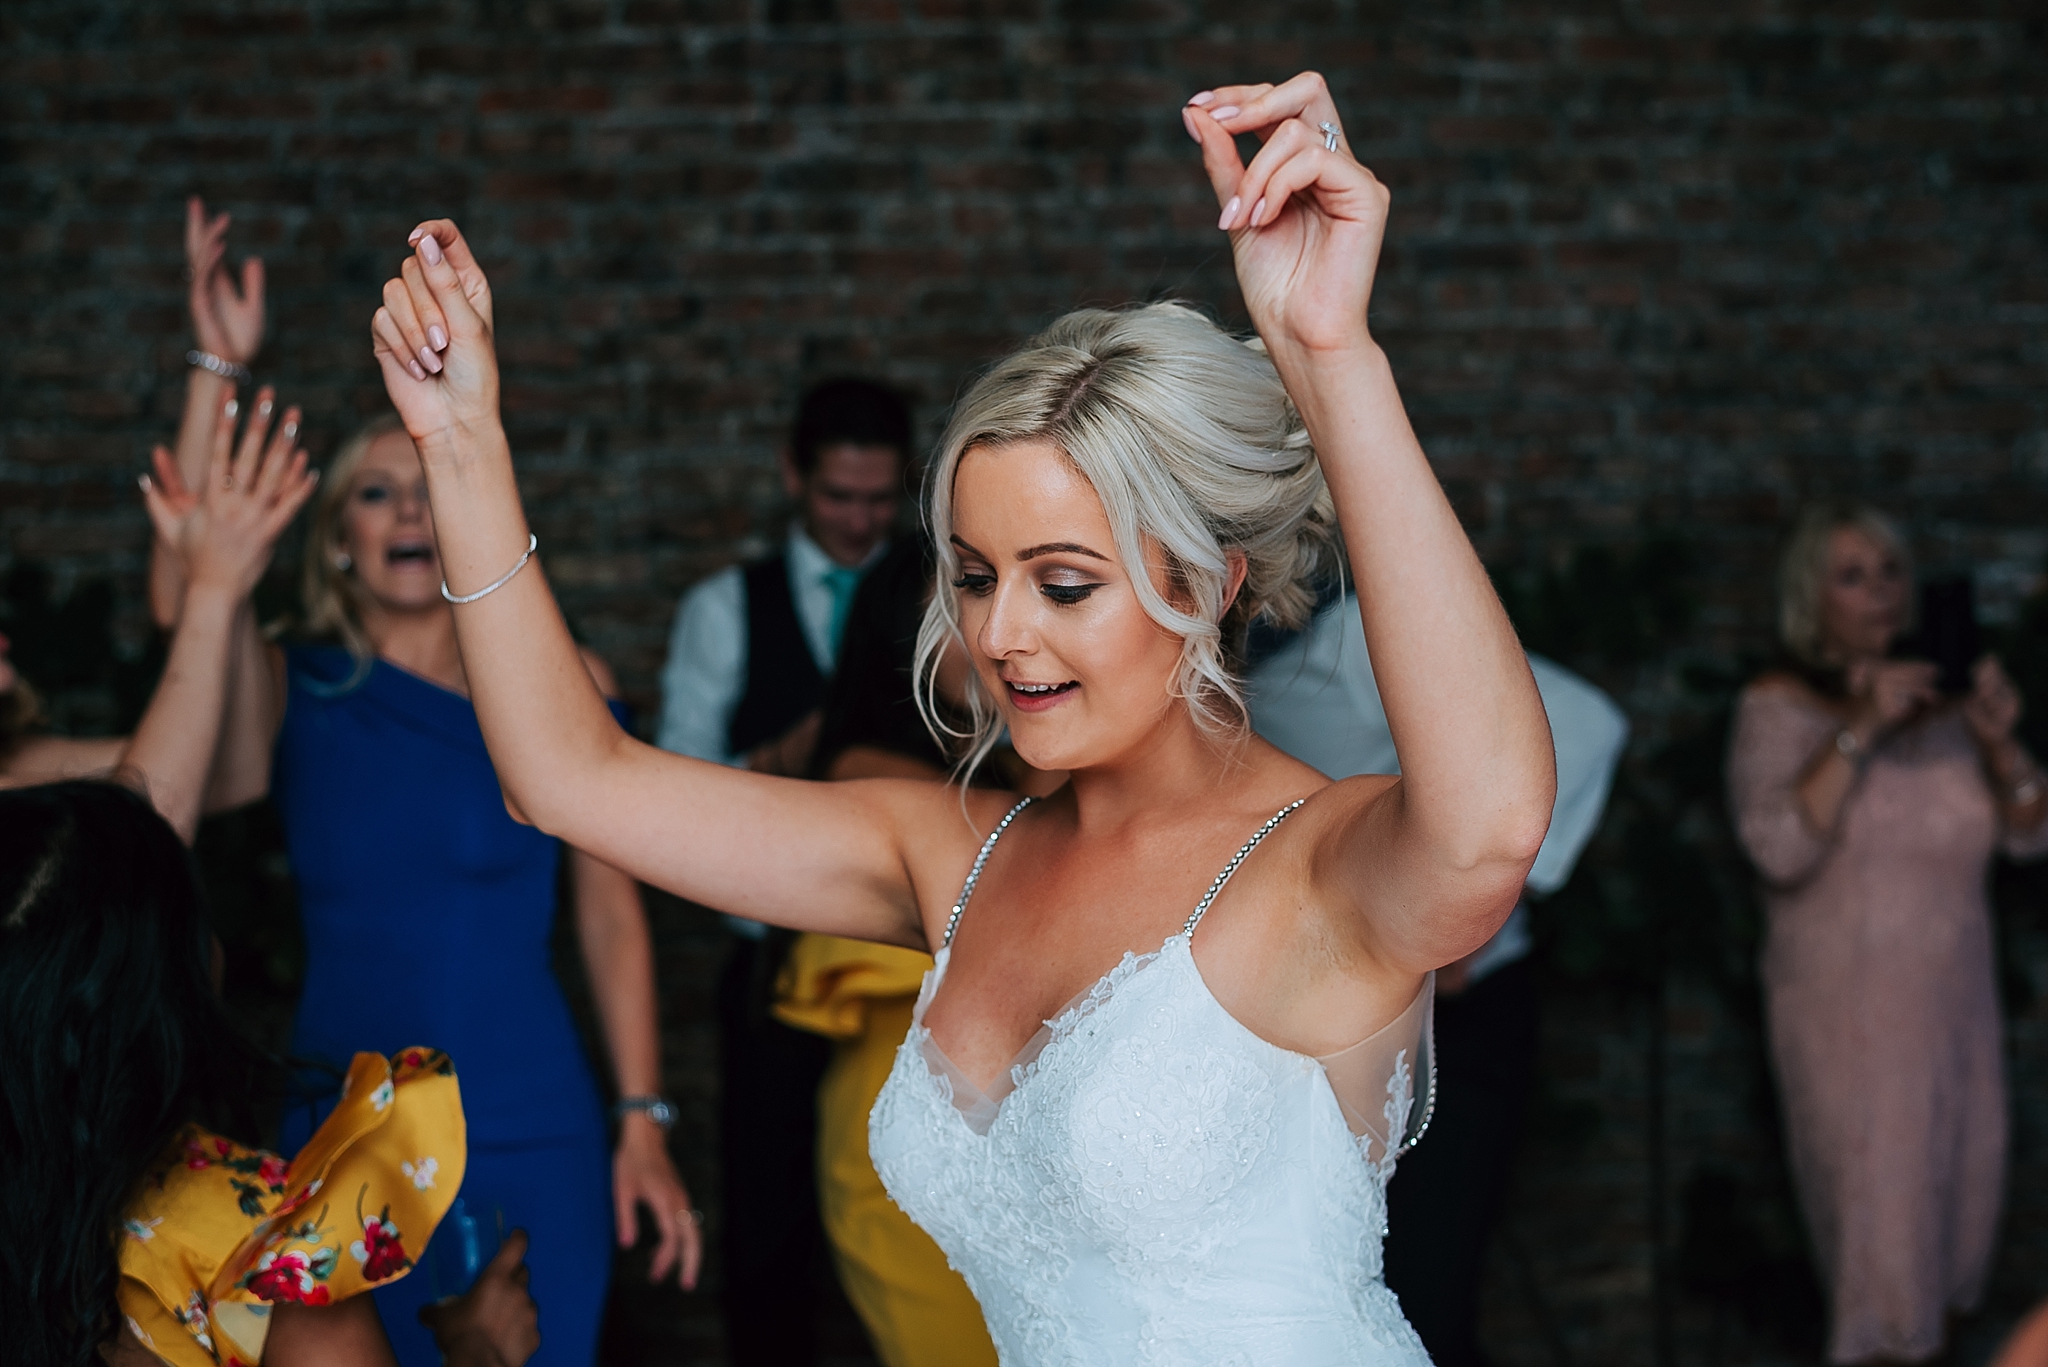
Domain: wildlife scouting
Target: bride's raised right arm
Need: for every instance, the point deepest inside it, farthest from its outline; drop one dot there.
(838, 858)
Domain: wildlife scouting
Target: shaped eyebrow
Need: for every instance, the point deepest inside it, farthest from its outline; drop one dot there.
(1061, 548)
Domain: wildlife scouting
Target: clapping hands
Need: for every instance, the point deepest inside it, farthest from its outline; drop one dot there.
(224, 531)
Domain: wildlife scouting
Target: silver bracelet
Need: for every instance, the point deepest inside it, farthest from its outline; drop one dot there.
(218, 365)
(532, 545)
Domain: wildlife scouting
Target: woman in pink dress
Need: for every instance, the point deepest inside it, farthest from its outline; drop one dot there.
(1872, 806)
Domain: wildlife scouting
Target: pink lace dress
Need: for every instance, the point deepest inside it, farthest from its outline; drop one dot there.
(1883, 1013)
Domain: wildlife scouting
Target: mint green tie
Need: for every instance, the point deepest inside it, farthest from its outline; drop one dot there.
(842, 581)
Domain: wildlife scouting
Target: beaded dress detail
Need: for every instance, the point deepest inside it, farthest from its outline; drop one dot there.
(1152, 1183)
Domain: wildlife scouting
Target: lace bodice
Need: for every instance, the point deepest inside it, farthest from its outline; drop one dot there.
(1152, 1183)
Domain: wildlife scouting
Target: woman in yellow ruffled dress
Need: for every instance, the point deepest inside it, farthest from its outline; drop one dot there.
(133, 1228)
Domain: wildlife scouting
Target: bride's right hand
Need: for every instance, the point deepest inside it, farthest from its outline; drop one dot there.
(434, 343)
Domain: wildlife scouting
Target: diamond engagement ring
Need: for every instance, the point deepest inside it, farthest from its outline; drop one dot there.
(1329, 136)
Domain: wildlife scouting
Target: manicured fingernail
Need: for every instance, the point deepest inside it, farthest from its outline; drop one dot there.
(1187, 121)
(1206, 98)
(291, 429)
(414, 367)
(231, 409)
(1258, 212)
(263, 408)
(436, 337)
(413, 239)
(142, 482)
(1228, 111)
(430, 360)
(1229, 213)
(430, 249)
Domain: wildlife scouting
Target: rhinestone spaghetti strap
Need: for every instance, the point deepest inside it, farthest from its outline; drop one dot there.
(1243, 852)
(974, 874)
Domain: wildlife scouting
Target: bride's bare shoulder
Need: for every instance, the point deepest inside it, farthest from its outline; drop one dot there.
(936, 820)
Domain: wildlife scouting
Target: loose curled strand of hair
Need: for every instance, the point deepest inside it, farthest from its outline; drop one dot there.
(1188, 437)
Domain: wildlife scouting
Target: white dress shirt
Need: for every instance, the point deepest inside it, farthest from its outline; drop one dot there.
(1317, 700)
(706, 671)
(707, 650)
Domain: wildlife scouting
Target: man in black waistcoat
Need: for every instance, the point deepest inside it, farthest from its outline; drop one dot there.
(747, 665)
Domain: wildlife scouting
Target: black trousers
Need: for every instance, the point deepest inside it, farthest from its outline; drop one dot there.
(771, 1238)
(1446, 1194)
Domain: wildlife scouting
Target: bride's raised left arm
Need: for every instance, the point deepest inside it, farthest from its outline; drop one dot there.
(1432, 864)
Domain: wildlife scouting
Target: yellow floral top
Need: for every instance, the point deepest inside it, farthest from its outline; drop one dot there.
(220, 1233)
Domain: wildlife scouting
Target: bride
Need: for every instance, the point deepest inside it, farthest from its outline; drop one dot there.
(1150, 1109)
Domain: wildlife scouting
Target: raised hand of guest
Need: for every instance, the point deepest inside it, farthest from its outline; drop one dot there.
(1992, 707)
(227, 326)
(493, 1324)
(227, 317)
(1305, 221)
(1886, 694)
(222, 535)
(224, 531)
(436, 325)
(1992, 711)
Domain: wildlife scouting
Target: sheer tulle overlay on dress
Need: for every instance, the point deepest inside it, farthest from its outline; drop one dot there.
(1151, 1182)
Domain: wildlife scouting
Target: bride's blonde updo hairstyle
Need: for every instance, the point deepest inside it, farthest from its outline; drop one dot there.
(1190, 441)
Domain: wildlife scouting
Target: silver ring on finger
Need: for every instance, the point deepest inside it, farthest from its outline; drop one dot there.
(1329, 136)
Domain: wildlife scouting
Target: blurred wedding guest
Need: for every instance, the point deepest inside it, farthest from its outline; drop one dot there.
(860, 995)
(748, 661)
(428, 909)
(1314, 696)
(138, 1224)
(221, 538)
(1872, 805)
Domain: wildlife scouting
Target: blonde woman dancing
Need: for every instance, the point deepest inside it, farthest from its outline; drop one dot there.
(1160, 1070)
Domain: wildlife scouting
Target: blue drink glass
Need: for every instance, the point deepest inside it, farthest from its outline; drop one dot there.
(465, 1242)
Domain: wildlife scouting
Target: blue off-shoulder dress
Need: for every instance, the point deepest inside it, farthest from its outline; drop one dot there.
(427, 912)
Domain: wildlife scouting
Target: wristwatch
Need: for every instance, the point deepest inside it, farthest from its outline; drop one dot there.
(658, 1109)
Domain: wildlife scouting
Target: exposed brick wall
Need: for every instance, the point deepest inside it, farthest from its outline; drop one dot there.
(1654, 265)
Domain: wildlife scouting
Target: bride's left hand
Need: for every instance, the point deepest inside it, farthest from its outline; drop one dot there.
(1305, 222)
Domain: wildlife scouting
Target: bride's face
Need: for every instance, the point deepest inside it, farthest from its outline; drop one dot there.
(1081, 674)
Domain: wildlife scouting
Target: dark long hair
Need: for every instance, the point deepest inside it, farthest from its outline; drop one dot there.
(111, 1039)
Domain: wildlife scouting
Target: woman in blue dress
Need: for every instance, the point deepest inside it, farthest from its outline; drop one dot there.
(427, 908)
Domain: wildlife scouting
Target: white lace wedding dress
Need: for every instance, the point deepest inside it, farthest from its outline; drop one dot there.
(1153, 1183)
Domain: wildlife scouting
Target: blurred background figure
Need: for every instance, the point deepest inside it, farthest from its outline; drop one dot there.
(427, 909)
(917, 1310)
(749, 658)
(1871, 794)
(1313, 695)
